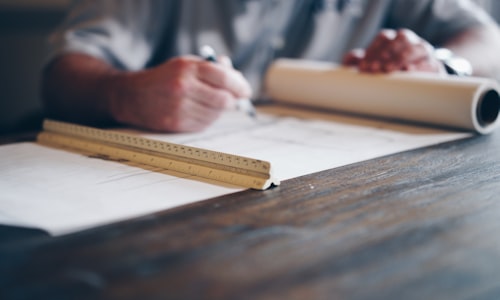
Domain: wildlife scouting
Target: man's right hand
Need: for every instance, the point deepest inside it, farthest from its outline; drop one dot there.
(184, 94)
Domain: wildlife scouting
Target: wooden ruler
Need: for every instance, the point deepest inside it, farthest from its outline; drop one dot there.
(218, 166)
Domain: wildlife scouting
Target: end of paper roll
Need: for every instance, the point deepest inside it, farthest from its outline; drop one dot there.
(487, 109)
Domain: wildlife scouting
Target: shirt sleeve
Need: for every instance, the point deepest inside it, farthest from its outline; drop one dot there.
(123, 33)
(436, 20)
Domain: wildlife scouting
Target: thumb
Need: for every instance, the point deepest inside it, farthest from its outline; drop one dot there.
(225, 61)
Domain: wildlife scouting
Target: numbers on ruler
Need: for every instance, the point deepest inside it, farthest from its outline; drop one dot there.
(246, 180)
(159, 146)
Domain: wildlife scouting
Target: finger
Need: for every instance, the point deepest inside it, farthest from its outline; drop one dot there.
(370, 66)
(378, 54)
(189, 116)
(427, 65)
(408, 45)
(224, 78)
(415, 49)
(210, 96)
(400, 53)
(199, 116)
(408, 36)
(379, 44)
(225, 61)
(383, 38)
(353, 57)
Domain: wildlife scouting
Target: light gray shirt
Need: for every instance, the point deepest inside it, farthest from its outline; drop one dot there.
(137, 34)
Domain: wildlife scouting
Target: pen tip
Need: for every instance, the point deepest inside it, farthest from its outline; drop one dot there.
(207, 51)
(252, 114)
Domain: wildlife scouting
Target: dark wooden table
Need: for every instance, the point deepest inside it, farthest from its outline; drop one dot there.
(423, 224)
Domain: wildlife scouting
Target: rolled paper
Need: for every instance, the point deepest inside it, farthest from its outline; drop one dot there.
(466, 103)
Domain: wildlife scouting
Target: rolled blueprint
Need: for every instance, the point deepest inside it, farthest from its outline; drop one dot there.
(467, 103)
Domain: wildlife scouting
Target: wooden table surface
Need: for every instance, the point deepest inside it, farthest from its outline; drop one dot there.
(423, 224)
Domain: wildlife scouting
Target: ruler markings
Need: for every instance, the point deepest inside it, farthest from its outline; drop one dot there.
(229, 168)
(166, 147)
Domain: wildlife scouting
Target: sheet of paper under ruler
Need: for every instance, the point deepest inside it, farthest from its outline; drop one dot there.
(63, 191)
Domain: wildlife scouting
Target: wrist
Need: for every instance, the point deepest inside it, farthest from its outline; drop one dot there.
(115, 87)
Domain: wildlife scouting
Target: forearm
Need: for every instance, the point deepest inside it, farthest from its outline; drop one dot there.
(78, 88)
(481, 47)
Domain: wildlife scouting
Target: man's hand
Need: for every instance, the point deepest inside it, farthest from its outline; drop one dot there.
(392, 50)
(184, 94)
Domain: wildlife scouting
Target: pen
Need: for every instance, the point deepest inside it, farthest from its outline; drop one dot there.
(245, 105)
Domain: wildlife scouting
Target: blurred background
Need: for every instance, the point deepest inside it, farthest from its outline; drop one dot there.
(24, 28)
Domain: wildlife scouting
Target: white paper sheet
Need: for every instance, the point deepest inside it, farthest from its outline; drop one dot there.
(63, 192)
